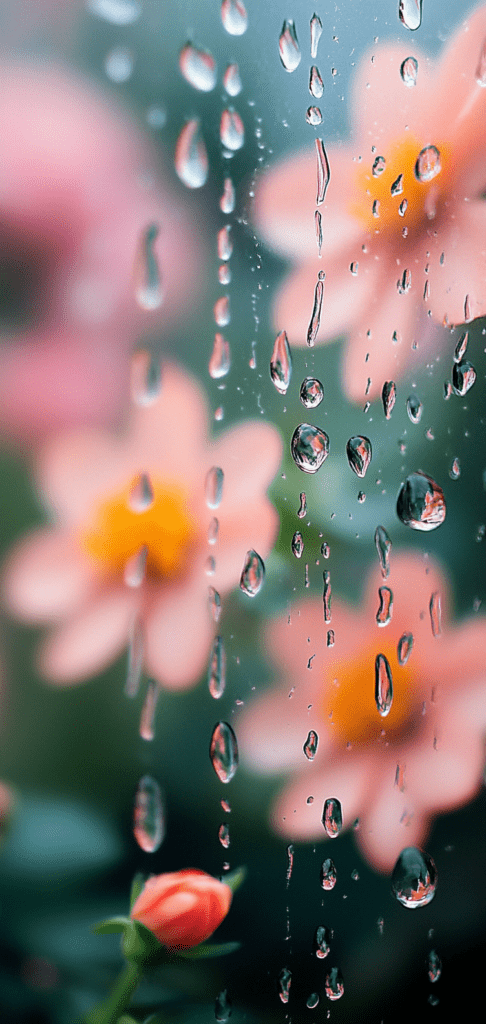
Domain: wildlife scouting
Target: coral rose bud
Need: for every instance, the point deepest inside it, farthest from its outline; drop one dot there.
(182, 908)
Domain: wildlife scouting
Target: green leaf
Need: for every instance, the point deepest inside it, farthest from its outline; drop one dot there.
(137, 885)
(208, 949)
(235, 878)
(112, 924)
(140, 946)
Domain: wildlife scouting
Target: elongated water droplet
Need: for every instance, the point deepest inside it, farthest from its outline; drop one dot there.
(414, 409)
(302, 510)
(191, 158)
(435, 609)
(455, 470)
(383, 685)
(141, 496)
(220, 360)
(281, 363)
(222, 311)
(231, 130)
(289, 49)
(224, 835)
(421, 503)
(223, 751)
(315, 320)
(383, 547)
(334, 985)
(322, 939)
(389, 397)
(136, 568)
(253, 574)
(414, 878)
(146, 378)
(297, 544)
(309, 447)
(225, 242)
(227, 201)
(397, 186)
(136, 654)
(148, 287)
(148, 820)
(214, 602)
(358, 450)
(463, 377)
(434, 966)
(290, 863)
(310, 745)
(409, 71)
(311, 392)
(481, 66)
(428, 164)
(404, 648)
(232, 81)
(323, 172)
(318, 229)
(198, 67)
(379, 165)
(326, 595)
(116, 12)
(147, 717)
(316, 85)
(328, 874)
(213, 530)
(315, 34)
(460, 349)
(284, 983)
(384, 613)
(410, 13)
(234, 17)
(214, 486)
(119, 64)
(217, 669)
(332, 817)
(222, 1007)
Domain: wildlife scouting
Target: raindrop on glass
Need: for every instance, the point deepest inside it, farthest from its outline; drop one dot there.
(334, 985)
(435, 611)
(315, 34)
(156, 116)
(331, 639)
(213, 530)
(434, 966)
(217, 669)
(147, 717)
(409, 71)
(358, 450)
(383, 685)
(214, 602)
(410, 13)
(220, 359)
(253, 574)
(146, 378)
(428, 164)
(379, 165)
(455, 470)
(234, 17)
(225, 242)
(223, 751)
(311, 392)
(221, 311)
(326, 595)
(297, 544)
(198, 67)
(191, 158)
(231, 130)
(384, 613)
(148, 817)
(460, 349)
(322, 939)
(328, 874)
(302, 510)
(323, 172)
(136, 652)
(227, 201)
(310, 745)
(224, 835)
(309, 447)
(136, 567)
(116, 12)
(414, 409)
(281, 363)
(383, 547)
(148, 288)
(284, 983)
(313, 116)
(214, 486)
(463, 377)
(315, 320)
(318, 230)
(421, 503)
(316, 85)
(414, 878)
(141, 496)
(119, 64)
(397, 186)
(290, 54)
(313, 1001)
(222, 1007)
(389, 397)
(232, 81)
(404, 648)
(332, 817)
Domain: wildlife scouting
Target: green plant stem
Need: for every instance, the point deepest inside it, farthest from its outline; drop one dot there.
(112, 1008)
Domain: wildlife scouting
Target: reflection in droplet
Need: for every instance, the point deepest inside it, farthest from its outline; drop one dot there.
(227, 201)
(315, 320)
(116, 12)
(148, 287)
(141, 496)
(198, 67)
(214, 486)
(148, 820)
(332, 817)
(220, 360)
(309, 447)
(288, 45)
(383, 547)
(297, 544)
(414, 409)
(334, 985)
(428, 164)
(145, 378)
(435, 610)
(409, 71)
(389, 397)
(311, 392)
(379, 165)
(316, 85)
(234, 17)
(414, 878)
(434, 966)
(384, 613)
(223, 751)
(217, 669)
(410, 13)
(421, 503)
(463, 377)
(191, 158)
(222, 1007)
(328, 874)
(323, 172)
(284, 983)
(232, 81)
(231, 130)
(322, 939)
(383, 685)
(253, 574)
(310, 745)
(147, 717)
(358, 450)
(281, 363)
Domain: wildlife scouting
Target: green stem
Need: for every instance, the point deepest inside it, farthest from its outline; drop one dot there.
(112, 1008)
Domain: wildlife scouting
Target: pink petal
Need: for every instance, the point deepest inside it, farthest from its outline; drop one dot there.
(46, 577)
(90, 641)
(463, 271)
(178, 635)
(171, 434)
(392, 823)
(272, 731)
(293, 817)
(78, 469)
(249, 455)
(382, 105)
(450, 775)
(237, 536)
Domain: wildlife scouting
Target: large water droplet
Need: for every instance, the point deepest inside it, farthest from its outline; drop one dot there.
(435, 610)
(253, 574)
(322, 940)
(148, 287)
(227, 201)
(234, 17)
(383, 547)
(117, 12)
(309, 447)
(358, 450)
(148, 820)
(334, 985)
(310, 745)
(290, 54)
(284, 983)
(146, 378)
(383, 685)
(217, 669)
(409, 71)
(214, 486)
(297, 544)
(414, 878)
(428, 164)
(198, 67)
(147, 717)
(315, 34)
(421, 503)
(328, 874)
(222, 1007)
(220, 360)
(223, 751)
(434, 966)
(410, 13)
(389, 397)
(315, 319)
(384, 613)
(281, 363)
(323, 172)
(332, 817)
(232, 81)
(141, 496)
(414, 409)
(311, 392)
(191, 158)
(316, 85)
(463, 377)
(231, 130)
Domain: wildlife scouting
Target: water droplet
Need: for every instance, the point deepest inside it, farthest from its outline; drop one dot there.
(313, 1001)
(220, 359)
(232, 81)
(421, 503)
(414, 409)
(397, 186)
(217, 669)
(116, 12)
(428, 164)
(410, 13)
(225, 242)
(332, 817)
(323, 172)
(309, 447)
(334, 985)
(234, 17)
(316, 85)
(214, 486)
(136, 652)
(322, 938)
(326, 595)
(481, 66)
(384, 613)
(358, 450)
(227, 201)
(313, 116)
(389, 397)
(198, 67)
(222, 1007)
(290, 863)
(253, 574)
(311, 392)
(147, 717)
(409, 71)
(414, 878)
(214, 602)
(156, 116)
(148, 820)
(290, 54)
(222, 311)
(434, 966)
(402, 209)
(383, 547)
(119, 64)
(223, 751)
(310, 745)
(379, 165)
(354, 267)
(376, 208)
(460, 349)
(315, 319)
(297, 544)
(463, 377)
(302, 510)
(383, 685)
(281, 363)
(224, 835)
(191, 158)
(141, 496)
(404, 648)
(318, 229)
(435, 610)
(231, 130)
(136, 568)
(146, 378)
(455, 470)
(148, 288)
(328, 874)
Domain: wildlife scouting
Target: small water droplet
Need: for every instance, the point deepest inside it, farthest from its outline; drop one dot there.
(217, 669)
(315, 34)
(334, 985)
(146, 378)
(198, 67)
(288, 45)
(224, 835)
(383, 547)
(455, 470)
(316, 85)
(414, 878)
(435, 610)
(220, 359)
(312, 1001)
(409, 71)
(397, 186)
(434, 966)
(281, 363)
(460, 349)
(116, 12)
(323, 172)
(410, 13)
(222, 1007)
(253, 574)
(331, 639)
(463, 377)
(147, 717)
(379, 165)
(309, 447)
(322, 939)
(148, 286)
(421, 503)
(354, 267)
(388, 397)
(297, 544)
(225, 242)
(313, 116)
(136, 568)
(231, 130)
(148, 820)
(214, 486)
(325, 550)
(119, 64)
(358, 450)
(234, 17)
(223, 751)
(227, 201)
(385, 611)
(232, 80)
(191, 158)
(328, 874)
(156, 116)
(141, 496)
(315, 319)
(222, 311)
(311, 392)
(404, 648)
(226, 806)
(302, 510)
(414, 409)
(310, 745)
(402, 209)
(332, 817)
(383, 685)
(376, 208)
(428, 164)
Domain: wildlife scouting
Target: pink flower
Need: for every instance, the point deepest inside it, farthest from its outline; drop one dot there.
(394, 772)
(182, 908)
(75, 201)
(122, 503)
(404, 219)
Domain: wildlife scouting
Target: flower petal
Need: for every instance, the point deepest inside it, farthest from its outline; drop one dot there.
(90, 641)
(383, 106)
(178, 635)
(459, 275)
(47, 576)
(293, 816)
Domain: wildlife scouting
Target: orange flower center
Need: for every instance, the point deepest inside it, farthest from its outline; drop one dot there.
(156, 524)
(349, 703)
(401, 187)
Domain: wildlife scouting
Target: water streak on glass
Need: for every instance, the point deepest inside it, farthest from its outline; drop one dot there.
(315, 34)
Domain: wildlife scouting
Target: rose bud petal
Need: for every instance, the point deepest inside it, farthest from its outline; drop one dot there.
(182, 908)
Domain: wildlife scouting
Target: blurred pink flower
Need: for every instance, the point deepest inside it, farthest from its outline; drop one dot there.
(393, 772)
(81, 573)
(404, 219)
(78, 191)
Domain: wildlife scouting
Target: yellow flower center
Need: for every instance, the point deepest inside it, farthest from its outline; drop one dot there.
(349, 704)
(158, 523)
(401, 186)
